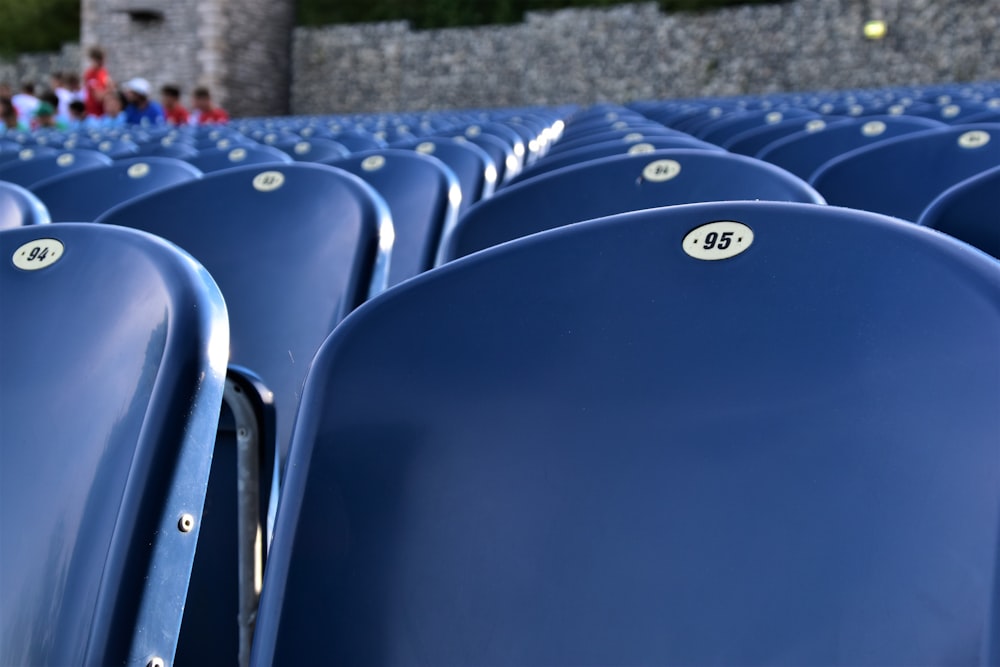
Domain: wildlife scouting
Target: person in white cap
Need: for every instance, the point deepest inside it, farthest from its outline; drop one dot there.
(141, 110)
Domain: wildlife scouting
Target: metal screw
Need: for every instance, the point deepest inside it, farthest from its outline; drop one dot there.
(185, 525)
(155, 662)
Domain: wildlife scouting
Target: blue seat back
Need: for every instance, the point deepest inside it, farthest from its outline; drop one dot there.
(19, 207)
(968, 211)
(313, 150)
(721, 130)
(423, 196)
(29, 172)
(217, 159)
(752, 141)
(472, 166)
(591, 447)
(109, 398)
(117, 149)
(603, 149)
(293, 248)
(181, 150)
(27, 153)
(83, 196)
(615, 185)
(902, 176)
(631, 135)
(804, 152)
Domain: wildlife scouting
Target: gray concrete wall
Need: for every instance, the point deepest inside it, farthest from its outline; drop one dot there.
(635, 51)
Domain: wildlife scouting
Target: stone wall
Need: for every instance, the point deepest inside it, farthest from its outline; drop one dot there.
(240, 49)
(245, 49)
(36, 67)
(162, 51)
(636, 51)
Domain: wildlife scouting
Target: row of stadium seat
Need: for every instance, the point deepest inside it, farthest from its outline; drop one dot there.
(677, 432)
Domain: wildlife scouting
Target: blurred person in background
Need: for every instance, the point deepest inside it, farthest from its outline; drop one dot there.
(57, 81)
(205, 112)
(114, 112)
(96, 82)
(8, 116)
(141, 110)
(170, 97)
(45, 118)
(25, 102)
(77, 115)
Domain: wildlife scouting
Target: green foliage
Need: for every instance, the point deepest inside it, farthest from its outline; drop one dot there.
(37, 25)
(446, 13)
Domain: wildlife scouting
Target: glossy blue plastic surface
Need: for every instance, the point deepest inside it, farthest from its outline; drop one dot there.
(84, 196)
(902, 176)
(19, 207)
(721, 130)
(588, 448)
(472, 166)
(232, 157)
(805, 152)
(111, 376)
(969, 211)
(752, 141)
(575, 142)
(118, 149)
(615, 185)
(176, 149)
(291, 261)
(27, 153)
(596, 151)
(423, 195)
(29, 172)
(313, 150)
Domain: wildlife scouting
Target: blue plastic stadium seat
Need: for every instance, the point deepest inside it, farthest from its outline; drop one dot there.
(83, 196)
(111, 378)
(217, 159)
(357, 142)
(423, 196)
(293, 248)
(29, 172)
(721, 130)
(968, 211)
(19, 207)
(629, 135)
(752, 141)
(181, 150)
(590, 447)
(313, 150)
(603, 149)
(902, 176)
(499, 151)
(510, 139)
(119, 148)
(615, 185)
(804, 152)
(27, 153)
(472, 166)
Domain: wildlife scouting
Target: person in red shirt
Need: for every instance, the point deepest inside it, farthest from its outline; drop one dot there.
(96, 82)
(205, 111)
(170, 98)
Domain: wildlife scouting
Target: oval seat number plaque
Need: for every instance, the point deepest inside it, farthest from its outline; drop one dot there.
(38, 254)
(718, 240)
